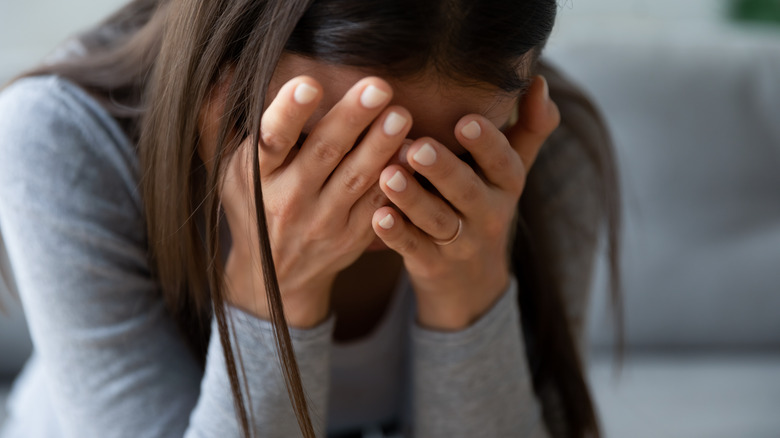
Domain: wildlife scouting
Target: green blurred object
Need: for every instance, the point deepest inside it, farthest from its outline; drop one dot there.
(764, 11)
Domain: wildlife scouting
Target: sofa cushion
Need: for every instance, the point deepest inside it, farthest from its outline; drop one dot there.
(695, 120)
(683, 396)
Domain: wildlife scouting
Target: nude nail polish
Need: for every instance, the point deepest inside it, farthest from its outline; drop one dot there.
(472, 130)
(407, 143)
(397, 182)
(387, 222)
(304, 93)
(546, 92)
(372, 97)
(426, 155)
(394, 123)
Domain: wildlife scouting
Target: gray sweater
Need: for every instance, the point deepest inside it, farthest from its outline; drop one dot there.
(109, 361)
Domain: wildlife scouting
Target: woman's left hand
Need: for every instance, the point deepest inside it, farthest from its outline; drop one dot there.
(456, 250)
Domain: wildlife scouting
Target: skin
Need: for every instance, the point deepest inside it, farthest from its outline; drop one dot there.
(325, 200)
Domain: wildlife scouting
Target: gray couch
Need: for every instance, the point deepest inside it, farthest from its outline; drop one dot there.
(695, 113)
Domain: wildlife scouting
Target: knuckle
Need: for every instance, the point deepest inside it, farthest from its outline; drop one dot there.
(439, 222)
(445, 169)
(354, 120)
(376, 198)
(471, 192)
(408, 245)
(327, 150)
(355, 181)
(275, 139)
(379, 147)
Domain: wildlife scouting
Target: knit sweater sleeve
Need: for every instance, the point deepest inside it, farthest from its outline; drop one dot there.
(475, 382)
(266, 396)
(113, 360)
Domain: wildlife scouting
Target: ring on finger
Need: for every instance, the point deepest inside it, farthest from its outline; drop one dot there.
(453, 238)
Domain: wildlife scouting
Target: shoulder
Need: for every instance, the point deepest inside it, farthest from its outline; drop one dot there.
(64, 156)
(39, 104)
(55, 137)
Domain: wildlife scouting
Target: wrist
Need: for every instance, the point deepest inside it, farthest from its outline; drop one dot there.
(307, 308)
(304, 306)
(459, 307)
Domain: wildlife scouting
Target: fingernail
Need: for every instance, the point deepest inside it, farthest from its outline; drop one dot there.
(472, 130)
(387, 222)
(394, 123)
(546, 90)
(304, 93)
(372, 97)
(404, 150)
(397, 183)
(426, 155)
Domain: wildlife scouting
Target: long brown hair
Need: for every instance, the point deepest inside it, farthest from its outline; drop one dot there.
(153, 63)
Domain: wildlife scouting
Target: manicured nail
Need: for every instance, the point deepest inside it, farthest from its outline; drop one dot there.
(404, 150)
(394, 123)
(372, 97)
(397, 183)
(546, 92)
(387, 222)
(472, 130)
(304, 93)
(426, 155)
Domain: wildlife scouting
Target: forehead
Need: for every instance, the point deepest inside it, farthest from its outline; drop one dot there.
(436, 104)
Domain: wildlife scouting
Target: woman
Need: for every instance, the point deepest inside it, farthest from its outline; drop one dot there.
(387, 144)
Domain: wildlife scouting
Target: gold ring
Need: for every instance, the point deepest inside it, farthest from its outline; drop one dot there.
(453, 238)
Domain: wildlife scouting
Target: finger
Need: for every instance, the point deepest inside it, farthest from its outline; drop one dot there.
(400, 157)
(364, 208)
(539, 116)
(402, 237)
(283, 120)
(361, 167)
(336, 133)
(425, 210)
(498, 162)
(450, 176)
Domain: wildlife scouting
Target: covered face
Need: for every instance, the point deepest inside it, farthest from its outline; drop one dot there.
(435, 103)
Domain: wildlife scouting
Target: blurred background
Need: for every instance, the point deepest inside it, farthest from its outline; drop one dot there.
(691, 92)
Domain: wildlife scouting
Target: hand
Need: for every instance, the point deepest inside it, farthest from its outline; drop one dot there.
(456, 283)
(319, 199)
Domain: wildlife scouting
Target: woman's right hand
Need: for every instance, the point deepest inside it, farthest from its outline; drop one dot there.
(319, 200)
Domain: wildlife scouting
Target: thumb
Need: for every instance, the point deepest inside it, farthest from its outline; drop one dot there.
(539, 116)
